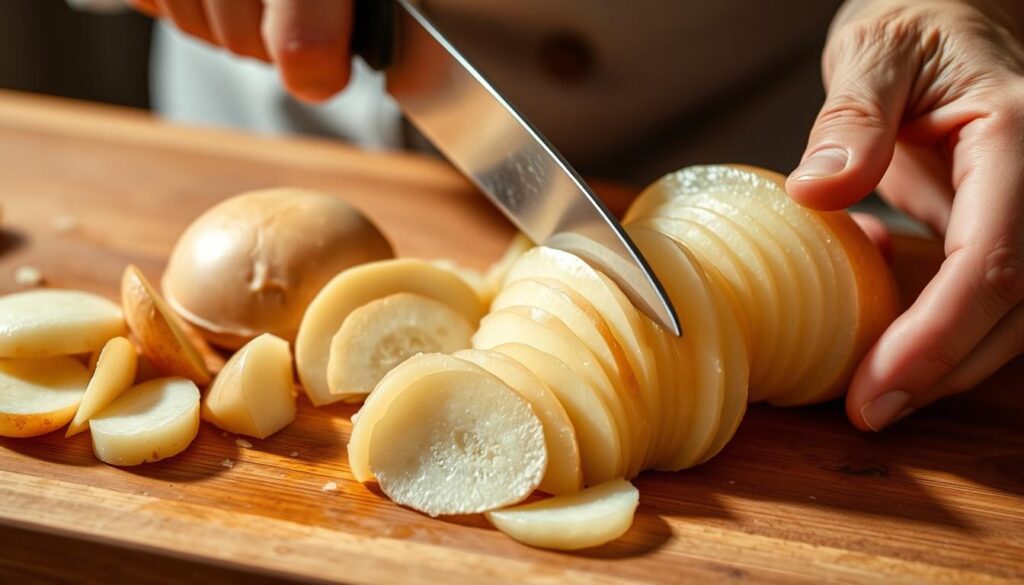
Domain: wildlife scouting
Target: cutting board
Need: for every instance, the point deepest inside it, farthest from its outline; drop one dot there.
(797, 496)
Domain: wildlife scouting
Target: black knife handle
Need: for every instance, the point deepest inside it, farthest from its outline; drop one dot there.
(373, 32)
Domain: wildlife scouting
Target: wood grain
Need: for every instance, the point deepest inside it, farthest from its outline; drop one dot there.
(798, 496)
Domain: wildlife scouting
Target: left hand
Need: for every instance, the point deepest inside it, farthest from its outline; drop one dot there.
(926, 102)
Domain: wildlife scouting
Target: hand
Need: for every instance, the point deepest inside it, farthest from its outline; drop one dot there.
(926, 102)
(308, 40)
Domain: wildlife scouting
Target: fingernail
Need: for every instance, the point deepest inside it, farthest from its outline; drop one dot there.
(823, 163)
(886, 409)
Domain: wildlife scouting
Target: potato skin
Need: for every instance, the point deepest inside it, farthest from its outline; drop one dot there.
(253, 263)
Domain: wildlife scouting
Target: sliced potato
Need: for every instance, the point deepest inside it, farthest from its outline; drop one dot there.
(458, 442)
(160, 335)
(599, 443)
(621, 317)
(45, 323)
(390, 386)
(495, 275)
(385, 332)
(113, 374)
(39, 395)
(474, 278)
(687, 286)
(152, 421)
(254, 394)
(356, 287)
(538, 328)
(595, 516)
(563, 475)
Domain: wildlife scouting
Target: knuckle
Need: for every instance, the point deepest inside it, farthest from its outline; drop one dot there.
(943, 358)
(301, 47)
(1003, 278)
(857, 107)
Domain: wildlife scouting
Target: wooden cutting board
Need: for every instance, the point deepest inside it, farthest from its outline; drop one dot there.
(797, 496)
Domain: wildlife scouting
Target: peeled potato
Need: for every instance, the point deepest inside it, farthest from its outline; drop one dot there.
(39, 395)
(383, 333)
(592, 517)
(599, 444)
(458, 442)
(252, 263)
(152, 421)
(356, 287)
(254, 393)
(495, 275)
(160, 337)
(113, 373)
(380, 399)
(44, 323)
(563, 475)
(475, 279)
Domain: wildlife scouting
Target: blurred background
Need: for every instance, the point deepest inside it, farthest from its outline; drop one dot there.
(47, 47)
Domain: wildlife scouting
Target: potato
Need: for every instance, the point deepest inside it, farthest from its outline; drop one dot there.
(39, 395)
(685, 281)
(601, 455)
(458, 442)
(152, 421)
(112, 374)
(45, 323)
(585, 321)
(377, 404)
(160, 336)
(254, 393)
(563, 475)
(537, 328)
(622, 318)
(858, 297)
(385, 332)
(595, 516)
(356, 287)
(253, 263)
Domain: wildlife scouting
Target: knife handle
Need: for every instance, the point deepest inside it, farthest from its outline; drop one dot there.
(373, 32)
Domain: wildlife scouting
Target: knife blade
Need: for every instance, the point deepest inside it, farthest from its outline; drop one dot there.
(483, 135)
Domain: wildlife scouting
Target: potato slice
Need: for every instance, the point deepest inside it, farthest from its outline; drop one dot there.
(595, 516)
(622, 318)
(254, 393)
(377, 403)
(563, 475)
(113, 374)
(586, 322)
(458, 442)
(538, 328)
(385, 332)
(45, 323)
(599, 444)
(495, 275)
(152, 421)
(474, 278)
(356, 287)
(688, 287)
(160, 335)
(39, 395)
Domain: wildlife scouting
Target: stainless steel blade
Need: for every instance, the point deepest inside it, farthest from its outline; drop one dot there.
(484, 136)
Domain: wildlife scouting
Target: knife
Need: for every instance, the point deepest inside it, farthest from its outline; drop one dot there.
(455, 107)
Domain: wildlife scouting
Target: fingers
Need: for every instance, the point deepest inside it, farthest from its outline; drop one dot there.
(236, 26)
(869, 73)
(1004, 343)
(147, 7)
(918, 183)
(189, 16)
(980, 282)
(876, 232)
(309, 41)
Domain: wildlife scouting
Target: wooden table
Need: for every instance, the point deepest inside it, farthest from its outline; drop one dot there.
(797, 496)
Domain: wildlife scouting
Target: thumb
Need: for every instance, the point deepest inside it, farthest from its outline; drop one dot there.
(854, 136)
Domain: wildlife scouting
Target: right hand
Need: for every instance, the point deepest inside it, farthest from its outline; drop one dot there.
(308, 40)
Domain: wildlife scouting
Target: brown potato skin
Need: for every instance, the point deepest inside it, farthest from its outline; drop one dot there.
(160, 339)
